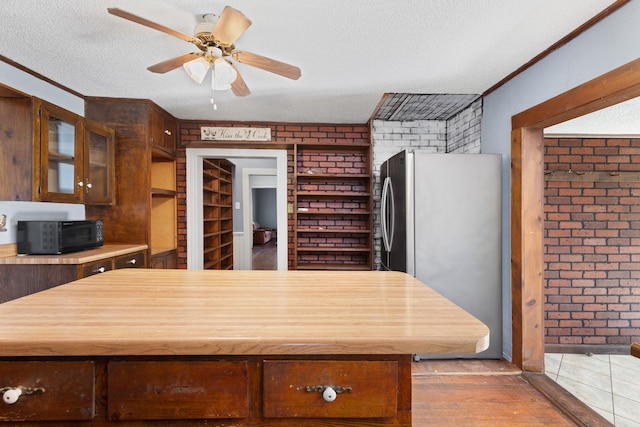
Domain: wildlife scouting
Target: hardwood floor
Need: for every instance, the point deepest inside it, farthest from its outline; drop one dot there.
(492, 393)
(265, 256)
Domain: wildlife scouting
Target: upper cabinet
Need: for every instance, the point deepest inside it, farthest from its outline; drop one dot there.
(73, 157)
(163, 131)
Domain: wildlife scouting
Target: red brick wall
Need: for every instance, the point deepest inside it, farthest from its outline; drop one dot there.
(592, 241)
(282, 135)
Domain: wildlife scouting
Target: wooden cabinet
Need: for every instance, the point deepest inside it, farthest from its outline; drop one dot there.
(146, 208)
(330, 389)
(73, 157)
(164, 130)
(50, 390)
(16, 140)
(217, 213)
(169, 390)
(24, 275)
(99, 164)
(333, 207)
(214, 390)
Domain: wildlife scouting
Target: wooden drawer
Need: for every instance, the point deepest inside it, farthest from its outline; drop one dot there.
(67, 391)
(372, 389)
(177, 390)
(97, 267)
(134, 260)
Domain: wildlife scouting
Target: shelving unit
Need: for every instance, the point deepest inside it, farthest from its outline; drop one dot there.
(146, 208)
(217, 214)
(333, 208)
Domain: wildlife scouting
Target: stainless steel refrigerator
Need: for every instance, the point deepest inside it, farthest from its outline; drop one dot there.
(441, 222)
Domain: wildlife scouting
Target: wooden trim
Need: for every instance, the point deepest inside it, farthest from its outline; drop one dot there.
(527, 171)
(611, 88)
(40, 76)
(568, 404)
(557, 45)
(586, 349)
(635, 349)
(527, 234)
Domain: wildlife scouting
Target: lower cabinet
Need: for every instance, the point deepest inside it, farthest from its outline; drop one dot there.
(18, 280)
(48, 391)
(330, 389)
(216, 391)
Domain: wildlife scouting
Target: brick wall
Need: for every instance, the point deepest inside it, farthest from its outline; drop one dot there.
(592, 241)
(282, 135)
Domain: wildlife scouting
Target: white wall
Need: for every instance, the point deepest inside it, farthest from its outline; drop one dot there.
(33, 86)
(613, 42)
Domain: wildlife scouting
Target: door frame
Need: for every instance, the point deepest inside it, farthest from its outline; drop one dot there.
(194, 157)
(527, 200)
(247, 210)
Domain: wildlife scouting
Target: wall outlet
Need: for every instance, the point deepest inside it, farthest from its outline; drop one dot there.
(289, 207)
(237, 205)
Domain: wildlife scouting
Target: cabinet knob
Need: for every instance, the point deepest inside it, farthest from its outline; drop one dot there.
(80, 184)
(329, 394)
(167, 132)
(89, 185)
(10, 395)
(132, 261)
(99, 270)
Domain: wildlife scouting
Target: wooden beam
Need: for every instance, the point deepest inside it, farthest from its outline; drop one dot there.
(618, 85)
(527, 237)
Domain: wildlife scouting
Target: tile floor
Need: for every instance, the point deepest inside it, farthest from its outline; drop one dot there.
(609, 384)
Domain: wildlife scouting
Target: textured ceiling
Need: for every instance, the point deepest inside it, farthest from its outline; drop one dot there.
(351, 52)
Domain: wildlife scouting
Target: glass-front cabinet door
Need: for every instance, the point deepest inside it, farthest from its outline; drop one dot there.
(99, 183)
(61, 135)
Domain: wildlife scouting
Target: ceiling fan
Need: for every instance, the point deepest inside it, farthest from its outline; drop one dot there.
(216, 43)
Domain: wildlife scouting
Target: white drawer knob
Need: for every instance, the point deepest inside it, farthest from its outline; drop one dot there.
(329, 394)
(11, 396)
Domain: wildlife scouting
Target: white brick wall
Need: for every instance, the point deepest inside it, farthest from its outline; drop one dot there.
(463, 130)
(459, 134)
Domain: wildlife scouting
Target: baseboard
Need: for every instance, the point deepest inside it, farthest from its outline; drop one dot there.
(579, 412)
(587, 349)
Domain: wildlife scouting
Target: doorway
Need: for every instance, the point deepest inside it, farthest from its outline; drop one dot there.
(194, 157)
(260, 194)
(527, 200)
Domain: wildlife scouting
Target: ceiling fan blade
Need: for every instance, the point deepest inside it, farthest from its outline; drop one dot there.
(268, 64)
(239, 87)
(173, 63)
(139, 20)
(231, 24)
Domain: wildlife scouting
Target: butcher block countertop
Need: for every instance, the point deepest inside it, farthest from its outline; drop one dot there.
(81, 257)
(183, 312)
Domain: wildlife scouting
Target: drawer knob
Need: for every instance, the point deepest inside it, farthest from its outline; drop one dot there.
(329, 392)
(10, 395)
(99, 270)
(132, 261)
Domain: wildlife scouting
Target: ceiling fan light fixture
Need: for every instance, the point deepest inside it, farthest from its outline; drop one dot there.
(222, 75)
(197, 69)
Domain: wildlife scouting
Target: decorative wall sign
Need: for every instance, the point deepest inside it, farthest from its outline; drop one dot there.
(234, 134)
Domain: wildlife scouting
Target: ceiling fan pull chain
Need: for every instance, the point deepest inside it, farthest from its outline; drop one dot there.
(213, 79)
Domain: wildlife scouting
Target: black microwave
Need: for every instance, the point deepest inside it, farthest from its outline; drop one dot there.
(58, 237)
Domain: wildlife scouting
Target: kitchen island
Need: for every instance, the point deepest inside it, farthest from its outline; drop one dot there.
(225, 348)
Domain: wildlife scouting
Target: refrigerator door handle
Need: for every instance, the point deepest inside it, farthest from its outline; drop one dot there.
(387, 196)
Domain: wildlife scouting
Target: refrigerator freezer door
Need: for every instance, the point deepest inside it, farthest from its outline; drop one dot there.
(394, 172)
(458, 234)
